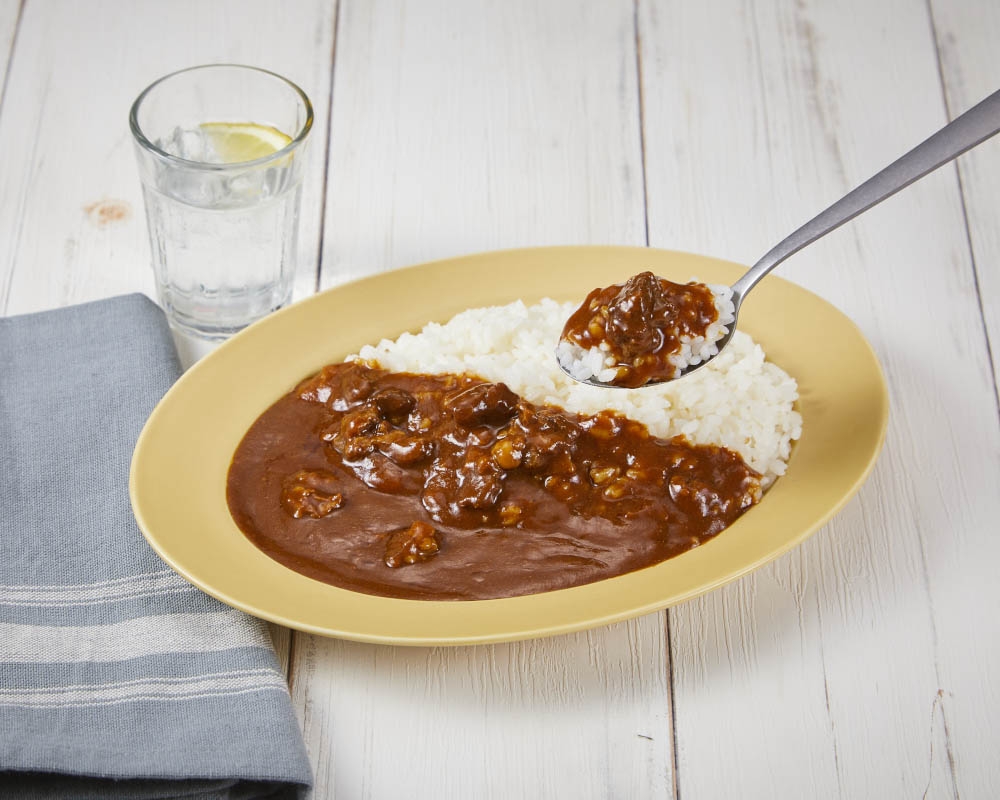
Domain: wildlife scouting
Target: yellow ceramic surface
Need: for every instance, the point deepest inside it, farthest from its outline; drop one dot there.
(178, 477)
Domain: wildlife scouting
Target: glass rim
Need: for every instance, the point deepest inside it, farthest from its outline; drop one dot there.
(146, 144)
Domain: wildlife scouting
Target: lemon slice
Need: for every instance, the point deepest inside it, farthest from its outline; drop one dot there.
(235, 142)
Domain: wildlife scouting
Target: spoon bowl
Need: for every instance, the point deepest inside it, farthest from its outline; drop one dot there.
(963, 133)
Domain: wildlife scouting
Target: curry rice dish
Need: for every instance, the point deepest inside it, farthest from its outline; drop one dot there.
(460, 463)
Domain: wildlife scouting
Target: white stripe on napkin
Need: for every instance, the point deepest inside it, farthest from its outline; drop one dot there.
(194, 686)
(132, 587)
(109, 582)
(143, 636)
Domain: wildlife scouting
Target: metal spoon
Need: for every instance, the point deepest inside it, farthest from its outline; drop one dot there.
(963, 133)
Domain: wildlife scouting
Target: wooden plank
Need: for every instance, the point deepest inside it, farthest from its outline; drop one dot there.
(834, 671)
(966, 32)
(966, 601)
(582, 716)
(460, 127)
(9, 12)
(65, 150)
(463, 127)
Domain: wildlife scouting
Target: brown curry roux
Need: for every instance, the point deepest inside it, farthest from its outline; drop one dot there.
(641, 323)
(451, 487)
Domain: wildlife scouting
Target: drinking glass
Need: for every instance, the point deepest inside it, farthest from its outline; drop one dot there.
(221, 154)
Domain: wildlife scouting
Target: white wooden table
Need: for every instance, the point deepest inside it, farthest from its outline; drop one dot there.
(863, 663)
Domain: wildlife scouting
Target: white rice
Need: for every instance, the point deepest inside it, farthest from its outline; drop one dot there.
(596, 364)
(739, 401)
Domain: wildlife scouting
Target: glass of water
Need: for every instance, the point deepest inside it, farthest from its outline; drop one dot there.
(221, 152)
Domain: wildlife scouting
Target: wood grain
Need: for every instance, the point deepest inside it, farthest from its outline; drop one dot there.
(72, 226)
(459, 127)
(834, 672)
(582, 716)
(464, 127)
(965, 600)
(10, 10)
(967, 33)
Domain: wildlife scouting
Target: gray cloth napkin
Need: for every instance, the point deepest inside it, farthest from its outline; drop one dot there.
(117, 678)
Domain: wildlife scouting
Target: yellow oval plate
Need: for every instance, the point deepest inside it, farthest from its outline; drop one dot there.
(178, 475)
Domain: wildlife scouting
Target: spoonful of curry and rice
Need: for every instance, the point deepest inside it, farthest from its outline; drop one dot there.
(649, 330)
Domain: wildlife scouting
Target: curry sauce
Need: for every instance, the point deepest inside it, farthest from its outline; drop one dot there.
(450, 487)
(641, 325)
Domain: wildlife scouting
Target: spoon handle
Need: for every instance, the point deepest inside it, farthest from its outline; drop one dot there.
(974, 126)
